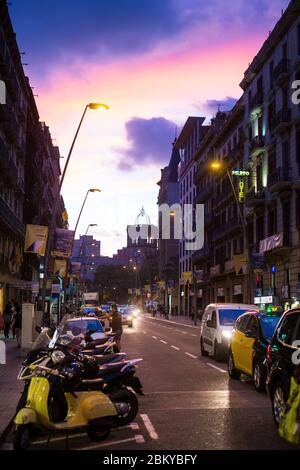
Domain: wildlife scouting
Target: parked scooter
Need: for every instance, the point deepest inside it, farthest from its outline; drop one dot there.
(62, 397)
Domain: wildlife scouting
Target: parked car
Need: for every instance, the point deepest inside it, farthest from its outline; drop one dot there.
(216, 327)
(90, 325)
(282, 358)
(249, 342)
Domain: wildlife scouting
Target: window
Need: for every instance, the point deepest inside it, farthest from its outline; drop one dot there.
(272, 221)
(259, 177)
(253, 326)
(214, 320)
(242, 322)
(287, 329)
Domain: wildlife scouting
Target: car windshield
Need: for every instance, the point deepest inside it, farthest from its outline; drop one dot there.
(268, 325)
(229, 316)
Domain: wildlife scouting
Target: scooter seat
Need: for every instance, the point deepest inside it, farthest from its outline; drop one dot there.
(101, 360)
(110, 368)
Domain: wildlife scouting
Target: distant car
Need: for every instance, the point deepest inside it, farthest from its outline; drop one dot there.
(216, 327)
(282, 358)
(92, 325)
(134, 310)
(249, 342)
(127, 316)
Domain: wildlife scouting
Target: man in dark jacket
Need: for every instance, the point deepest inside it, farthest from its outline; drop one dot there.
(116, 325)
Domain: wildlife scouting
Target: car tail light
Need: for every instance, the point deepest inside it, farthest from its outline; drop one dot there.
(269, 353)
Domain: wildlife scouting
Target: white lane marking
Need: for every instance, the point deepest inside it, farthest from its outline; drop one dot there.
(133, 426)
(195, 336)
(162, 341)
(173, 322)
(217, 368)
(191, 355)
(175, 347)
(154, 337)
(149, 426)
(137, 439)
(183, 332)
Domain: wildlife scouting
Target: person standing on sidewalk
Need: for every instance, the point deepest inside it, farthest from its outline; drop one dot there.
(116, 325)
(7, 319)
(17, 325)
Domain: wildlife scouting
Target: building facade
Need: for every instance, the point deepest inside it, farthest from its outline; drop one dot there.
(187, 144)
(29, 171)
(168, 248)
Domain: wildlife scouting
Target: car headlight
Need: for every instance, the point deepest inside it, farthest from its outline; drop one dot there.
(129, 318)
(227, 334)
(57, 356)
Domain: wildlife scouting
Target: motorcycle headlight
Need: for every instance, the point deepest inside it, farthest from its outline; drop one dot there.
(57, 356)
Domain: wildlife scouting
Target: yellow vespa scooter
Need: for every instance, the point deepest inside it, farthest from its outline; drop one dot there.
(50, 408)
(53, 404)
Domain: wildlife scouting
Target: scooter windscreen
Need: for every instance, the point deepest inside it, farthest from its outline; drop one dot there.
(70, 333)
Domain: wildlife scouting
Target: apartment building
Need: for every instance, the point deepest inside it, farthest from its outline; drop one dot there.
(272, 153)
(187, 144)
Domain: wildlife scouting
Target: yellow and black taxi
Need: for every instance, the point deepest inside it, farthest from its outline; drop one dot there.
(249, 343)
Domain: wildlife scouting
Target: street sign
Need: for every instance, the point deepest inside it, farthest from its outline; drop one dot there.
(263, 300)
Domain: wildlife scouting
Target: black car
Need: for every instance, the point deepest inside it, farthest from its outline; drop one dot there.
(282, 358)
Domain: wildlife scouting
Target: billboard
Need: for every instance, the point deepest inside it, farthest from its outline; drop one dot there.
(60, 267)
(75, 269)
(36, 239)
(63, 243)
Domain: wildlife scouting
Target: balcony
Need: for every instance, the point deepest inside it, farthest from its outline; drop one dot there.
(204, 194)
(7, 215)
(282, 120)
(8, 168)
(280, 179)
(257, 145)
(255, 198)
(281, 72)
(256, 102)
(209, 219)
(229, 266)
(205, 253)
(226, 229)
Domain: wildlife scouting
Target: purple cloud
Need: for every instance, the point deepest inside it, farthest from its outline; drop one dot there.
(213, 105)
(150, 142)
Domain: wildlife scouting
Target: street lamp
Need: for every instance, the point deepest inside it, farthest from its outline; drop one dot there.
(83, 204)
(52, 224)
(218, 166)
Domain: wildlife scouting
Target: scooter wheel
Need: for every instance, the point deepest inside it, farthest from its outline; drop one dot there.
(131, 400)
(97, 432)
(22, 437)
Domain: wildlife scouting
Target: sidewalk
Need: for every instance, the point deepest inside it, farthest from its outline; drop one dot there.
(10, 388)
(177, 319)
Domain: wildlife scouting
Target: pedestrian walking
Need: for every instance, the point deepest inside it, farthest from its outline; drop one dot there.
(17, 325)
(7, 319)
(116, 325)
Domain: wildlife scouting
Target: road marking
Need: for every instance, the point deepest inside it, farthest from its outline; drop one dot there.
(217, 368)
(149, 426)
(144, 332)
(162, 341)
(191, 355)
(175, 347)
(183, 332)
(195, 336)
(138, 439)
(154, 337)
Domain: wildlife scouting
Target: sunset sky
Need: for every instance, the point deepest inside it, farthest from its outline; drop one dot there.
(154, 62)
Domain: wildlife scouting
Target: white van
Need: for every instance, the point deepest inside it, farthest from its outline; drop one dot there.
(217, 323)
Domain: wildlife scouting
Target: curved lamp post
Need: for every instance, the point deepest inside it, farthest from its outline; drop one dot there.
(93, 106)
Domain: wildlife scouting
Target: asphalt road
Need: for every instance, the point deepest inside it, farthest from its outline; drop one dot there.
(189, 403)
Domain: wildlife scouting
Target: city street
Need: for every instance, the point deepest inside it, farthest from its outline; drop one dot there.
(189, 401)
